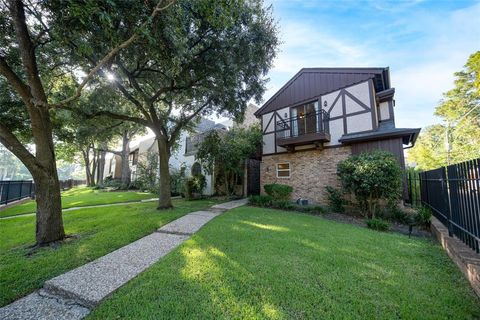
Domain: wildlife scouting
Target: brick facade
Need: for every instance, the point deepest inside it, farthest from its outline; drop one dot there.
(310, 171)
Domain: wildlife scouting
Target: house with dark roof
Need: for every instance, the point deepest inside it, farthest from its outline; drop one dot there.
(322, 116)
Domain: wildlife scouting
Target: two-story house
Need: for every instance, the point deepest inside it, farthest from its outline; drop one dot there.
(322, 116)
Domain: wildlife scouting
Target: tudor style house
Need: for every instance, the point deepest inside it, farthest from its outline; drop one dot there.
(322, 116)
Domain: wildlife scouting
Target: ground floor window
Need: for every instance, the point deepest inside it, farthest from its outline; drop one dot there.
(283, 170)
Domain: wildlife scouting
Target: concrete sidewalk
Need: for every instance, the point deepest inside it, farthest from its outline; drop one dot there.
(74, 294)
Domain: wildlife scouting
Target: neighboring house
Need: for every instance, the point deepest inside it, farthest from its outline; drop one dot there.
(322, 116)
(113, 167)
(184, 155)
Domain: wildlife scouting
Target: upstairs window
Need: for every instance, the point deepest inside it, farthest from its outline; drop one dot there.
(283, 170)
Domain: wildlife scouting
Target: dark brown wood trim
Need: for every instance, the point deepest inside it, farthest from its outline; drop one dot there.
(344, 111)
(260, 112)
(390, 110)
(373, 103)
(335, 101)
(351, 96)
(269, 121)
(309, 149)
(350, 115)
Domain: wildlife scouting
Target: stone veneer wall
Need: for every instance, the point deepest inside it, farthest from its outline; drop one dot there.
(310, 171)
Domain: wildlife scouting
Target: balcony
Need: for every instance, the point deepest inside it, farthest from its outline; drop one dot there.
(304, 129)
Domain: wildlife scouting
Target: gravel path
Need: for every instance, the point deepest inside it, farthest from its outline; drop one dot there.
(74, 294)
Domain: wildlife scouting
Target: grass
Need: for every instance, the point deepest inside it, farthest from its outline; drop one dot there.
(254, 263)
(80, 197)
(97, 231)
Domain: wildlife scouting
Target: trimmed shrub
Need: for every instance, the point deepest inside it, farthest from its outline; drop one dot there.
(423, 216)
(371, 177)
(283, 204)
(260, 201)
(312, 209)
(278, 191)
(194, 186)
(378, 224)
(335, 199)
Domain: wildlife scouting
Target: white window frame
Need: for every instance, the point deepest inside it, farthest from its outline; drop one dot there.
(283, 170)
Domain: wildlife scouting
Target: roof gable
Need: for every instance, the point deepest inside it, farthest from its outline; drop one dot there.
(309, 83)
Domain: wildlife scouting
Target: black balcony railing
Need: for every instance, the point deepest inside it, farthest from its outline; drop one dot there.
(310, 123)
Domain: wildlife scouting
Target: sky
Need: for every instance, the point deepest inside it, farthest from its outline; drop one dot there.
(423, 43)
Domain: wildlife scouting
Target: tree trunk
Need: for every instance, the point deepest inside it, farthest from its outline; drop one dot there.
(101, 166)
(94, 166)
(125, 175)
(86, 160)
(164, 198)
(49, 226)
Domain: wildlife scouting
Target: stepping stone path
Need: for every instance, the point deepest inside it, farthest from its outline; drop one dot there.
(74, 294)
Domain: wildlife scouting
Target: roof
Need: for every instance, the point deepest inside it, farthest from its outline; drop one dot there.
(309, 83)
(408, 135)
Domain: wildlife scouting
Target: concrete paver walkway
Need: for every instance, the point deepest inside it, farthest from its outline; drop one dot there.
(74, 294)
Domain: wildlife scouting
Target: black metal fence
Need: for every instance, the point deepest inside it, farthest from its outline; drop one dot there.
(19, 189)
(453, 195)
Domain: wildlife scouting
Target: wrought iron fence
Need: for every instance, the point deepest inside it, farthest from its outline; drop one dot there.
(19, 189)
(453, 195)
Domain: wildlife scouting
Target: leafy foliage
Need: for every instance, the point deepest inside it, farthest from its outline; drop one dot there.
(194, 186)
(460, 109)
(423, 216)
(260, 201)
(226, 151)
(335, 199)
(278, 191)
(177, 181)
(147, 173)
(371, 177)
(378, 224)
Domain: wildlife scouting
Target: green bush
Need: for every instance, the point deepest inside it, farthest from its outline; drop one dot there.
(312, 209)
(260, 201)
(335, 199)
(194, 186)
(422, 217)
(283, 204)
(177, 181)
(378, 224)
(371, 177)
(278, 191)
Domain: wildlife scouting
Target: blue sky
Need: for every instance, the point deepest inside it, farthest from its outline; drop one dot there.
(423, 43)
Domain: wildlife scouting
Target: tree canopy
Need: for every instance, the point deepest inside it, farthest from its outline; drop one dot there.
(458, 138)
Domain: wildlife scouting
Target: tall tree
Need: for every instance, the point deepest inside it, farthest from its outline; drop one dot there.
(200, 57)
(458, 139)
(32, 54)
(224, 154)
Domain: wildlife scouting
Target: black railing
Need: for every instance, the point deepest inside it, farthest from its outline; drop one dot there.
(15, 190)
(453, 195)
(19, 189)
(314, 122)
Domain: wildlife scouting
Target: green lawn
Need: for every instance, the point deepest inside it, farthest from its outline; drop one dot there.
(82, 196)
(97, 231)
(253, 263)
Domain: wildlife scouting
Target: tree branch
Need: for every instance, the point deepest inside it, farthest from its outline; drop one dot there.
(27, 51)
(182, 122)
(15, 81)
(11, 142)
(112, 54)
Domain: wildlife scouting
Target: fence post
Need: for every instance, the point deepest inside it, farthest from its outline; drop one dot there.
(446, 184)
(8, 191)
(30, 189)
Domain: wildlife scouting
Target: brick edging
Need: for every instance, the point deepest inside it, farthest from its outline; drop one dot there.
(465, 258)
